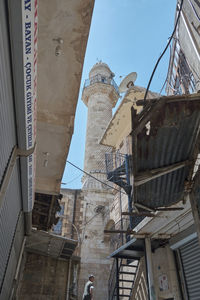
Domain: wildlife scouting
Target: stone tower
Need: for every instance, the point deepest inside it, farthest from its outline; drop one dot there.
(100, 94)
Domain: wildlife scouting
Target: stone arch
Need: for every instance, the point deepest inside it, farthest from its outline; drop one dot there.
(109, 225)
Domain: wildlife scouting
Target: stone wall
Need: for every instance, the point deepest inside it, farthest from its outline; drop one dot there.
(94, 247)
(44, 278)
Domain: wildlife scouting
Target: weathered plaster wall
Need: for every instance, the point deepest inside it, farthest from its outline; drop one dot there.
(63, 25)
(44, 278)
(164, 264)
(163, 267)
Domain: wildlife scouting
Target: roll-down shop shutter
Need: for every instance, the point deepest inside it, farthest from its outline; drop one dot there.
(190, 259)
(11, 217)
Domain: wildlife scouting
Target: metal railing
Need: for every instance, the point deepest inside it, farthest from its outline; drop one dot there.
(101, 79)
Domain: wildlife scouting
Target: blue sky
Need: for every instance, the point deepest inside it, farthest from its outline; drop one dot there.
(128, 35)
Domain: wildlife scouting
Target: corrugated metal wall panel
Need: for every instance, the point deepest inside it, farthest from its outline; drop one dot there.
(14, 256)
(7, 123)
(190, 257)
(9, 218)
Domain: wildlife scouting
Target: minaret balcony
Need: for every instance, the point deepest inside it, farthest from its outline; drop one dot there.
(101, 79)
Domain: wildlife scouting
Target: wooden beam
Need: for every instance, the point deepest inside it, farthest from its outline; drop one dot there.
(41, 203)
(119, 231)
(143, 177)
(144, 207)
(145, 214)
(38, 212)
(169, 208)
(132, 233)
(172, 99)
(50, 210)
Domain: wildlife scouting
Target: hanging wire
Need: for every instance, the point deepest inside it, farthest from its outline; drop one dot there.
(166, 79)
(65, 183)
(170, 39)
(94, 177)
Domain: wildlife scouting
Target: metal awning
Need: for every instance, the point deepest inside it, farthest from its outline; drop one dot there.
(48, 244)
(165, 136)
(134, 249)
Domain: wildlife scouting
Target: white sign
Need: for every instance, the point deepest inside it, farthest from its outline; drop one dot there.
(163, 282)
(30, 34)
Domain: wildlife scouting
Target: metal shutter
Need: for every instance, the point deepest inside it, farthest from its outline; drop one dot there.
(11, 218)
(190, 257)
(7, 123)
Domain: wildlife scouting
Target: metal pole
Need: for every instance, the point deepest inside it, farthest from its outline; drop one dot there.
(149, 265)
(74, 214)
(117, 278)
(129, 194)
(121, 220)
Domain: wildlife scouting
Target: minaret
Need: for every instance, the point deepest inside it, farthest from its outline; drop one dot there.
(100, 94)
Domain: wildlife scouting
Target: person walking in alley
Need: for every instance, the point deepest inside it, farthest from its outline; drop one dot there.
(88, 290)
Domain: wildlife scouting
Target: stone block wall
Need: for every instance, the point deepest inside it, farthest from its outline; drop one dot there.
(44, 278)
(94, 247)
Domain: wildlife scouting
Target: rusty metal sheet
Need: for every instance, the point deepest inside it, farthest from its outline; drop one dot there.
(46, 243)
(168, 137)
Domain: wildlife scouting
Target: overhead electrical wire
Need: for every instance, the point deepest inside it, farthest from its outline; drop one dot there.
(170, 39)
(95, 177)
(65, 183)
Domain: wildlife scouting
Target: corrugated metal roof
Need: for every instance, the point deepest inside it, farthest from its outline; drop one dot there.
(49, 244)
(170, 138)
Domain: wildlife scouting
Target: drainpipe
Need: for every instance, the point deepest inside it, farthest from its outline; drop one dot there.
(120, 205)
(68, 279)
(14, 289)
(149, 266)
(74, 214)
(129, 194)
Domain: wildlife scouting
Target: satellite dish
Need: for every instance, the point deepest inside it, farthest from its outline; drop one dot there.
(127, 82)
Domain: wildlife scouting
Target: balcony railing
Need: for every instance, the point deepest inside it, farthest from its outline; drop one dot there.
(101, 79)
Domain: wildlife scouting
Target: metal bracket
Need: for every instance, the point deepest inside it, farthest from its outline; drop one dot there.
(26, 153)
(10, 166)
